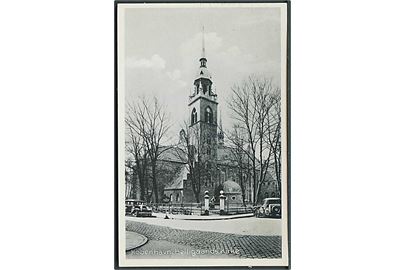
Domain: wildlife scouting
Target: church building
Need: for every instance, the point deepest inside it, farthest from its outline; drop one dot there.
(221, 171)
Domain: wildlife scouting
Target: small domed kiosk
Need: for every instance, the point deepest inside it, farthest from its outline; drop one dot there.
(233, 194)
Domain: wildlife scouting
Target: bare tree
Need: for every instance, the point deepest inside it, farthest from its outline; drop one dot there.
(129, 181)
(150, 122)
(190, 146)
(238, 140)
(273, 137)
(252, 102)
(135, 146)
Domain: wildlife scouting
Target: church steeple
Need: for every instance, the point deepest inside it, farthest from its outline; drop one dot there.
(221, 131)
(203, 80)
(203, 60)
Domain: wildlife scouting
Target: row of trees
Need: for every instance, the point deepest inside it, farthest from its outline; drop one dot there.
(255, 139)
(147, 126)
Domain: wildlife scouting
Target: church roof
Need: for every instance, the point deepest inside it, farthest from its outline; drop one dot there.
(177, 182)
(168, 154)
(173, 154)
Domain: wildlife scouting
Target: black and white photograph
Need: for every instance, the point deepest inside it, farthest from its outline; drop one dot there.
(182, 134)
(202, 134)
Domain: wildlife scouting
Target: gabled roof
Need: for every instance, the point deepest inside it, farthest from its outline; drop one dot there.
(173, 154)
(177, 182)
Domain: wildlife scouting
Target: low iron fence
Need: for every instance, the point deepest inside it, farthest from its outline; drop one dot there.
(234, 210)
(198, 209)
(178, 208)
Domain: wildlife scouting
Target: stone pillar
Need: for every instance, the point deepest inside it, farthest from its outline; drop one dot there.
(206, 203)
(222, 203)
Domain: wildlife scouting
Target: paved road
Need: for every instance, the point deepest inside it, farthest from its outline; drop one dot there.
(245, 226)
(212, 243)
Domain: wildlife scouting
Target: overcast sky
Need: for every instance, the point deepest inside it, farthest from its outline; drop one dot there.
(163, 46)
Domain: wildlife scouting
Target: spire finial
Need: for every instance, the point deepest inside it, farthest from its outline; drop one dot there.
(203, 43)
(203, 60)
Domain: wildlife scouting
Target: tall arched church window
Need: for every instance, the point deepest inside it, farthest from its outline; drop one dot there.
(208, 115)
(194, 116)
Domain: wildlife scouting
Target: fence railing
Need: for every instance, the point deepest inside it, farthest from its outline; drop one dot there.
(177, 208)
(197, 209)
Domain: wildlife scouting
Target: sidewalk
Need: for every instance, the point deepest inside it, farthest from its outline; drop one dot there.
(196, 217)
(134, 240)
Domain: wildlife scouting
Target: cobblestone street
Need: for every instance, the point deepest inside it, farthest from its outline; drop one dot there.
(243, 246)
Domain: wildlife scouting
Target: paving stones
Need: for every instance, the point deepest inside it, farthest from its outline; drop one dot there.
(244, 246)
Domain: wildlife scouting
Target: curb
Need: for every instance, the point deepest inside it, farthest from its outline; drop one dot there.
(143, 240)
(220, 218)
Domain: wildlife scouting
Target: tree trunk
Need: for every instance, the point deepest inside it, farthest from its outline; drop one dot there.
(134, 184)
(242, 184)
(258, 192)
(254, 181)
(197, 196)
(154, 182)
(195, 183)
(277, 171)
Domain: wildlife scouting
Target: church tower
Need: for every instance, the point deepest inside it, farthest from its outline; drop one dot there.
(203, 108)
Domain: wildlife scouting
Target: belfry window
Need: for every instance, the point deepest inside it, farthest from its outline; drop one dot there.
(208, 115)
(194, 116)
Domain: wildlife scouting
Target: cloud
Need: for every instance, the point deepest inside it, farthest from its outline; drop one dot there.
(155, 62)
(174, 75)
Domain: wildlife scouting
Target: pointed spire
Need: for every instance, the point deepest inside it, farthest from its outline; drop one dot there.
(203, 60)
(203, 43)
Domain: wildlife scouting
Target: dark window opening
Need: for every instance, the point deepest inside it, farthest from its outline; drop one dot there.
(194, 116)
(208, 115)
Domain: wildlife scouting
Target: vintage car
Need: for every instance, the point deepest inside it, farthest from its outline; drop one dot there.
(137, 208)
(271, 207)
